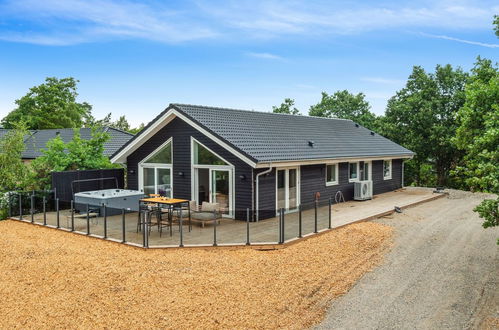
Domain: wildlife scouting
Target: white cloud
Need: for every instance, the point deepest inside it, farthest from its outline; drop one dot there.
(267, 56)
(76, 21)
(469, 42)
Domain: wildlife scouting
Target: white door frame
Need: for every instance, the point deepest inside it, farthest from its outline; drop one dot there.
(370, 176)
(194, 178)
(286, 188)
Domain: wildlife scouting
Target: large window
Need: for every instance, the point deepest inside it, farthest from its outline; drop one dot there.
(155, 175)
(387, 169)
(353, 172)
(331, 174)
(365, 173)
(203, 156)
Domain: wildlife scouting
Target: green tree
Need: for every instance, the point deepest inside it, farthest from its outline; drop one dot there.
(13, 172)
(50, 105)
(137, 129)
(77, 154)
(286, 107)
(478, 137)
(345, 105)
(121, 124)
(421, 117)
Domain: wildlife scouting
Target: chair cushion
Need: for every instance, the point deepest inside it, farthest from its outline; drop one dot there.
(209, 207)
(203, 216)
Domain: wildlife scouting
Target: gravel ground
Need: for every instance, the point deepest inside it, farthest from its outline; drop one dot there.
(442, 273)
(51, 279)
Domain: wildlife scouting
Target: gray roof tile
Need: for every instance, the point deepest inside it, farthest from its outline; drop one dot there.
(37, 139)
(269, 137)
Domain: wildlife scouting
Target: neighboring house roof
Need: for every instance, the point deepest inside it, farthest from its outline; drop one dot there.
(268, 137)
(37, 139)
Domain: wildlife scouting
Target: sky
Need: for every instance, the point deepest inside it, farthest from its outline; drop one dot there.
(133, 58)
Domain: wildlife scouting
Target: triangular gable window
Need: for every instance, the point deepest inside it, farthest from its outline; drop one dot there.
(162, 156)
(203, 156)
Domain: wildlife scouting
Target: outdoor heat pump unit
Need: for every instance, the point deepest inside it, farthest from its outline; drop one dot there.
(363, 190)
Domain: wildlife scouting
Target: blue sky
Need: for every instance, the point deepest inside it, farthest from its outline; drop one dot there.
(134, 58)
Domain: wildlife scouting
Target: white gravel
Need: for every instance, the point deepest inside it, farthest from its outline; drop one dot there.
(442, 273)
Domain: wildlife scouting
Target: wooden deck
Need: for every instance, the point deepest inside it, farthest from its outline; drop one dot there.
(234, 232)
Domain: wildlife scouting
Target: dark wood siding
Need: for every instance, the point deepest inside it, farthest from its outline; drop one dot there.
(313, 180)
(181, 133)
(381, 185)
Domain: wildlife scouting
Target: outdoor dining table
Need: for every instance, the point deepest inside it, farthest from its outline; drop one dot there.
(170, 203)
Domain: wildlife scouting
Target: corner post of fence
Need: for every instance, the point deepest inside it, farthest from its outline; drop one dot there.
(104, 209)
(72, 216)
(279, 226)
(248, 226)
(20, 206)
(215, 231)
(44, 201)
(146, 227)
(300, 228)
(123, 226)
(330, 204)
(88, 219)
(315, 216)
(32, 208)
(181, 229)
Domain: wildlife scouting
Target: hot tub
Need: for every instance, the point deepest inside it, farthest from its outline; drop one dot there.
(114, 199)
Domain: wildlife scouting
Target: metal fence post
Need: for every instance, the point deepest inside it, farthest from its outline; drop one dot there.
(329, 214)
(315, 218)
(283, 227)
(44, 211)
(279, 226)
(20, 207)
(105, 221)
(181, 230)
(88, 219)
(9, 198)
(123, 225)
(248, 226)
(72, 216)
(215, 232)
(57, 210)
(32, 208)
(300, 229)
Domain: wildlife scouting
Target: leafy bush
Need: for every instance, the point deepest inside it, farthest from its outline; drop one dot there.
(488, 210)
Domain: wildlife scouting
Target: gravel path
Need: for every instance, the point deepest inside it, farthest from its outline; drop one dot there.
(442, 273)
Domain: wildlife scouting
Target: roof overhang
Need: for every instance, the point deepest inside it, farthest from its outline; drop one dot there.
(330, 160)
(169, 114)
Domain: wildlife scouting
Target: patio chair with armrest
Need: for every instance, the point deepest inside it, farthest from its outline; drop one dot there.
(209, 212)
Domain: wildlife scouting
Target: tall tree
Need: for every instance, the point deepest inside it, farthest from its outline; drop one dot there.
(345, 105)
(121, 124)
(421, 117)
(478, 136)
(286, 107)
(50, 105)
(496, 24)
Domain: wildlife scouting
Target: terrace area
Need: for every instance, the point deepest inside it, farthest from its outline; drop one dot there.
(123, 228)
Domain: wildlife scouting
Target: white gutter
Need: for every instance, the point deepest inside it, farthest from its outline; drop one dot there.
(257, 188)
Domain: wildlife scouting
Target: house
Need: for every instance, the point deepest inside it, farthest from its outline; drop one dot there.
(258, 160)
(36, 140)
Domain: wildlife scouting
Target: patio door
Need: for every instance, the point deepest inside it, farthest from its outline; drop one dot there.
(214, 185)
(288, 189)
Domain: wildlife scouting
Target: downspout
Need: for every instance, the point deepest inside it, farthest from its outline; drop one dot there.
(257, 189)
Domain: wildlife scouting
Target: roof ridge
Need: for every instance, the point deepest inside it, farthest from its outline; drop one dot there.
(253, 111)
(119, 130)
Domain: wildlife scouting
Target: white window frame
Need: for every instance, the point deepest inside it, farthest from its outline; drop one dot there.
(389, 176)
(369, 176)
(229, 167)
(358, 172)
(156, 166)
(336, 182)
(286, 188)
